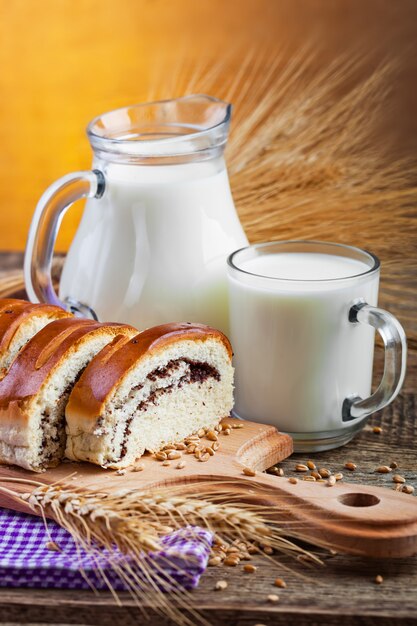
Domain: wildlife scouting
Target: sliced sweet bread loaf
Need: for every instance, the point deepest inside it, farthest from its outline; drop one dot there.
(35, 391)
(142, 393)
(20, 321)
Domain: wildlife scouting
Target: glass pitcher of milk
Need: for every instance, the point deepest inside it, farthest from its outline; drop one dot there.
(158, 224)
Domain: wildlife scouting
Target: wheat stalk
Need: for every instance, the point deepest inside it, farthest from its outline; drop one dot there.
(11, 283)
(131, 522)
(304, 158)
(303, 155)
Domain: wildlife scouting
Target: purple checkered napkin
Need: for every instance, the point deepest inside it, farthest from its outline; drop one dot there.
(26, 562)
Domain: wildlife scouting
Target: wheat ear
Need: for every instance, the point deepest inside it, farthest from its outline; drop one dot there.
(132, 523)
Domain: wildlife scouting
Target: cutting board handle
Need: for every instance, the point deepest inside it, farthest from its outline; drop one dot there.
(359, 519)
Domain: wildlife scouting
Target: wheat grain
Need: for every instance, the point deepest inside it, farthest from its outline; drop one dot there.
(300, 467)
(174, 455)
(324, 472)
(249, 568)
(350, 466)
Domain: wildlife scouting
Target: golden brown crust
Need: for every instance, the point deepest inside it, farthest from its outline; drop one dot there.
(14, 312)
(103, 373)
(40, 355)
(14, 421)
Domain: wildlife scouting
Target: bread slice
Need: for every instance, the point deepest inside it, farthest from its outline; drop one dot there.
(35, 391)
(20, 321)
(140, 394)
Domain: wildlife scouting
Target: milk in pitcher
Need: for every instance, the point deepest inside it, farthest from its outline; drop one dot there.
(158, 252)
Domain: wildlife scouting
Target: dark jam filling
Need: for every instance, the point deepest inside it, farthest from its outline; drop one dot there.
(59, 439)
(198, 372)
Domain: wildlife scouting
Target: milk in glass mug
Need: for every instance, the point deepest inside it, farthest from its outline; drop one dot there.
(303, 316)
(158, 224)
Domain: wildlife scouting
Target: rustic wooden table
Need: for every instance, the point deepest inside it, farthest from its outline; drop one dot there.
(342, 592)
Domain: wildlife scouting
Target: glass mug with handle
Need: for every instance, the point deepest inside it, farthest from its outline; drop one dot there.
(158, 224)
(303, 316)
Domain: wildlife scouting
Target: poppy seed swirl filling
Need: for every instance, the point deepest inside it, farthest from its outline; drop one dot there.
(166, 384)
(144, 396)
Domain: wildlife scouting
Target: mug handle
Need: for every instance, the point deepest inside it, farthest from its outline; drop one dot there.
(395, 345)
(43, 231)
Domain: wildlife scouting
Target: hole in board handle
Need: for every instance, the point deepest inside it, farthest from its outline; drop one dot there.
(358, 499)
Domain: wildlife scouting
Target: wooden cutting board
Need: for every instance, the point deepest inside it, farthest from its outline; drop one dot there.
(364, 520)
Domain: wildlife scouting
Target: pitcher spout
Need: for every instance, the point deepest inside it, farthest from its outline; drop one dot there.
(206, 111)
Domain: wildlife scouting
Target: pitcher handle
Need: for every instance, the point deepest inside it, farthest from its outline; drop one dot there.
(43, 232)
(395, 345)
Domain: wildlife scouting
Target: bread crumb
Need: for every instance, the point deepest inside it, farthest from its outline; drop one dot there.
(273, 597)
(220, 585)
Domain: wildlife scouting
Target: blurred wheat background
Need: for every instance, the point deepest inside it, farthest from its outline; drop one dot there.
(324, 134)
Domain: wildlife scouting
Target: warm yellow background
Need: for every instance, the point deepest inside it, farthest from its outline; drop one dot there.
(64, 61)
